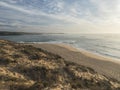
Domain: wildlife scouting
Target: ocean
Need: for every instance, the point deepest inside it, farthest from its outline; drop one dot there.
(102, 44)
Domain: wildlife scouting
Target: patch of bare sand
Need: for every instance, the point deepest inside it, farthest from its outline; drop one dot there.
(103, 65)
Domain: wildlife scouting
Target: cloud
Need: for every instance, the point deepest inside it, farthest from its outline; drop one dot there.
(67, 18)
(14, 7)
(64, 14)
(108, 10)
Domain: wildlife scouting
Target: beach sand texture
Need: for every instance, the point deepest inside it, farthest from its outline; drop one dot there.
(105, 66)
(24, 67)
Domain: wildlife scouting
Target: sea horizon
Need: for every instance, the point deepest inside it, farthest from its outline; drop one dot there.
(100, 44)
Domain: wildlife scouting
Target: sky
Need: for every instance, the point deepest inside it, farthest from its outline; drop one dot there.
(64, 16)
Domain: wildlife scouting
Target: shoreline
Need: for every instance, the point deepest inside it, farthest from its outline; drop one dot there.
(102, 65)
(89, 53)
(85, 52)
(48, 66)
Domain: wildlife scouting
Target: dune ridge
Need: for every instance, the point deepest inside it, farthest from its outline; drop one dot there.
(24, 67)
(103, 65)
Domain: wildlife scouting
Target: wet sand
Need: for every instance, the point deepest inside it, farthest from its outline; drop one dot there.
(103, 65)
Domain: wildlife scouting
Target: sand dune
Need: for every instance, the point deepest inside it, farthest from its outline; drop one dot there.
(24, 67)
(103, 65)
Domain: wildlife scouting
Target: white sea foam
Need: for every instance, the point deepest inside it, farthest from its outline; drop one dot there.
(108, 45)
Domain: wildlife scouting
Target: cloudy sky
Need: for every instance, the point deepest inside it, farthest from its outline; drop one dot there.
(71, 16)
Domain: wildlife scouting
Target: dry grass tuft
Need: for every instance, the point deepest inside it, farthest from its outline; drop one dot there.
(23, 67)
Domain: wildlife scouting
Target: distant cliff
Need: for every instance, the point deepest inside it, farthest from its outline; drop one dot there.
(24, 67)
(6, 33)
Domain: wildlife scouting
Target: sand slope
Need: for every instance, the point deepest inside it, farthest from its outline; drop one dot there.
(108, 67)
(24, 67)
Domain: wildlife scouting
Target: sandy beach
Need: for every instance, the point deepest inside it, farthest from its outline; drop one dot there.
(54, 67)
(103, 65)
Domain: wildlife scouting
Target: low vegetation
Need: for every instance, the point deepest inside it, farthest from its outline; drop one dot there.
(23, 67)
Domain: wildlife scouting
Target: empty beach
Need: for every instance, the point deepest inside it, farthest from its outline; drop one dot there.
(54, 67)
(103, 65)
